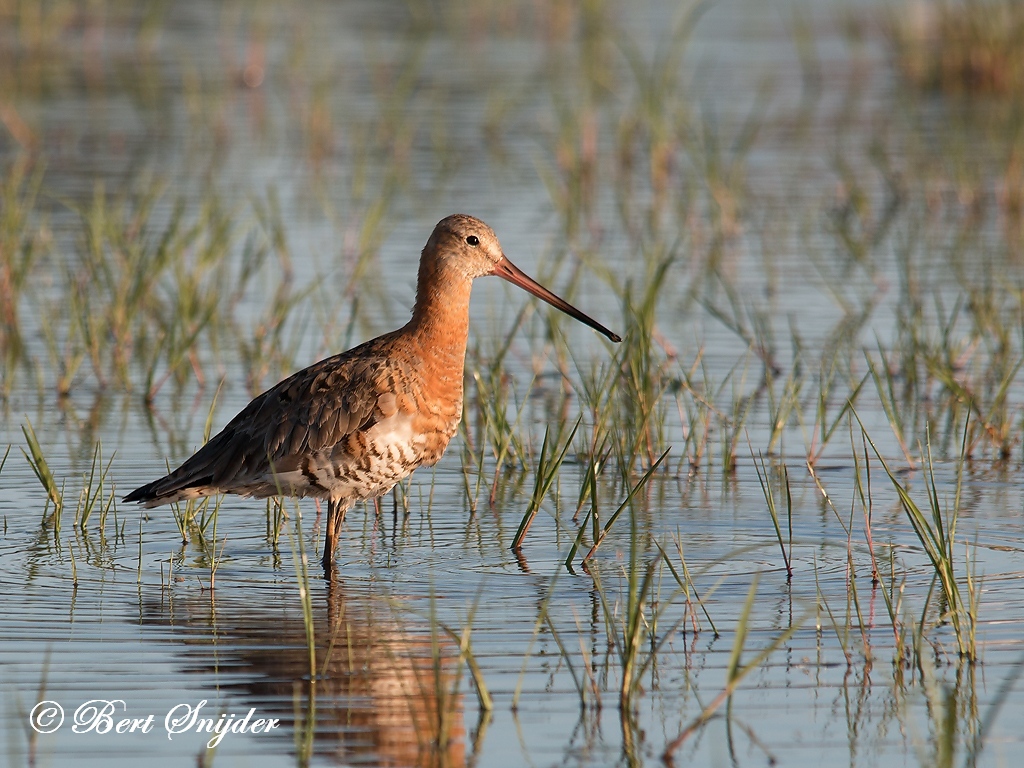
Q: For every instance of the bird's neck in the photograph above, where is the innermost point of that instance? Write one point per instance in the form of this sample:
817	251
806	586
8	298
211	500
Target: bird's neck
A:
440	319
437	335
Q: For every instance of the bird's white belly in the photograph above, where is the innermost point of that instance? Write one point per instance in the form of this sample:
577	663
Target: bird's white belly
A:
361	466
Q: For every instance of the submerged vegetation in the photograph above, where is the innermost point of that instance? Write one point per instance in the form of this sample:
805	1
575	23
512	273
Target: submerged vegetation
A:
820	298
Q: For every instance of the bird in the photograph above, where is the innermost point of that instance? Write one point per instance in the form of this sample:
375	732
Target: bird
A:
350	427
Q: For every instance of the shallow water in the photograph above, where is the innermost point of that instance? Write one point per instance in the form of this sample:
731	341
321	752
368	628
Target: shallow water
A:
425	115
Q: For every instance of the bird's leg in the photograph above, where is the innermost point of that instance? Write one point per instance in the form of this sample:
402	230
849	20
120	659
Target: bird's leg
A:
330	539
335	517
339	517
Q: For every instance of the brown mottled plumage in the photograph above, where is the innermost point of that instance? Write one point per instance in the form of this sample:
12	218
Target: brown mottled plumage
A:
350	427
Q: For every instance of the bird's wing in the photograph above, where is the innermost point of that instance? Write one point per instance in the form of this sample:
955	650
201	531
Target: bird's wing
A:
294	436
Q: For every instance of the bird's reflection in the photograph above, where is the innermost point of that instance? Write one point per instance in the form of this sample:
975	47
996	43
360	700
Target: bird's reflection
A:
382	693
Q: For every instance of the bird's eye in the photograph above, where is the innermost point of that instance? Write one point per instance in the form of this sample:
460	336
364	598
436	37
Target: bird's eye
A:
473	240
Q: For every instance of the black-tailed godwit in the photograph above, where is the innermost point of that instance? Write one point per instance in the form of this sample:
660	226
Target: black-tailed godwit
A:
348	428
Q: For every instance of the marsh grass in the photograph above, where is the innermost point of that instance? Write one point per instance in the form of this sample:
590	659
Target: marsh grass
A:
22	243
892	594
695	394
600	532
151	281
864	497
549	462
685	582
642	378
276	517
92	494
301	563
884	378
215	557
464	638
628	635
538	625
584	681
841	627
736	671
32	734
632	614
769	496
193	518
493	432
41	469
824	423
304	709
119	265
445	686
936	531
970	46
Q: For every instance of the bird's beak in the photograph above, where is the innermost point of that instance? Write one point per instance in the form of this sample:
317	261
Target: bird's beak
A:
506	270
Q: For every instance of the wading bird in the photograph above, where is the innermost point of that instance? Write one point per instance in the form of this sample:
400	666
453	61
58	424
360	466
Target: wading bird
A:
350	427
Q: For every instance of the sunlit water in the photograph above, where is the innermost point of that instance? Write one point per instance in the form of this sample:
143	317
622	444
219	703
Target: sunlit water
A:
144	629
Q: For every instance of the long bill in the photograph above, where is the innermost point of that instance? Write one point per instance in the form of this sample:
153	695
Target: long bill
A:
506	270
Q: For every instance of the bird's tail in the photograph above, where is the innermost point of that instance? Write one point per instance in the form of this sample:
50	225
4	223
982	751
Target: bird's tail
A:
168	490
192	480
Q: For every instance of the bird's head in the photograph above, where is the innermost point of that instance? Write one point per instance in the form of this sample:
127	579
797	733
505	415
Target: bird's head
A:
464	246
